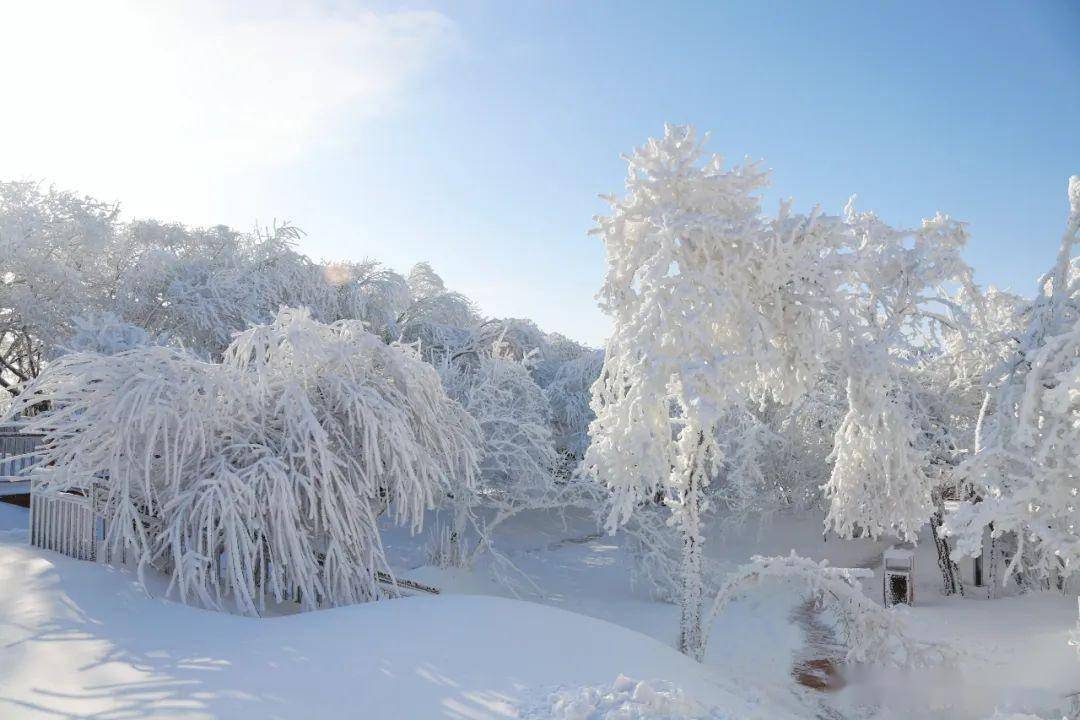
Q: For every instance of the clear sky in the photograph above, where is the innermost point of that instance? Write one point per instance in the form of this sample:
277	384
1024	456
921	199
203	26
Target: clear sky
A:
477	135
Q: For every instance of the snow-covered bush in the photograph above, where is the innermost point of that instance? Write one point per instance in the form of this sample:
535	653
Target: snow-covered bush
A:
439	320
871	633
369	292
624	699
262	476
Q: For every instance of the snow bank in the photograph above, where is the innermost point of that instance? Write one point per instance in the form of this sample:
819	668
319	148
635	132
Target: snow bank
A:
81	639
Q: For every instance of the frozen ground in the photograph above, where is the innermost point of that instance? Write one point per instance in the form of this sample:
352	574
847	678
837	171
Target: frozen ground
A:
78	639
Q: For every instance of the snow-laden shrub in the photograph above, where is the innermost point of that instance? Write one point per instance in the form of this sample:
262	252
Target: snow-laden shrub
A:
438	320
871	633
370	292
263	475
624	699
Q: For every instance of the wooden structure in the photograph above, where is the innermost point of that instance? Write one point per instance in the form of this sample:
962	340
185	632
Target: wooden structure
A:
898	570
17	457
66	523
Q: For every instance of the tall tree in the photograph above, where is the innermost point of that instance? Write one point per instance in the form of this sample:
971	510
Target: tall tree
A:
884	477
1025	471
714	308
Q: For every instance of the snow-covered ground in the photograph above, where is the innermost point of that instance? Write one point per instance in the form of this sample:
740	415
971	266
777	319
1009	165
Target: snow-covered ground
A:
80	639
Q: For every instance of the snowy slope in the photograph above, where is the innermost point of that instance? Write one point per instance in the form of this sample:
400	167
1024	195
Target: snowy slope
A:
1014	651
79	638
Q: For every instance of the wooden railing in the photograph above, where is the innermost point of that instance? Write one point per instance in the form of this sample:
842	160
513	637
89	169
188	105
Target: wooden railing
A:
17	454
65	523
73	524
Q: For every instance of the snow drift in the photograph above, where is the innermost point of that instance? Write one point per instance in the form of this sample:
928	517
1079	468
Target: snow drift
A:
80	639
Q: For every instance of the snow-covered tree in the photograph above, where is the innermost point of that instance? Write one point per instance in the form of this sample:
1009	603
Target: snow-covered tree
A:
67	257
370	292
192	285
517	338
518	458
798	463
714	308
55	265
556	351
568	394
882	479
440	320
263	476
1024	472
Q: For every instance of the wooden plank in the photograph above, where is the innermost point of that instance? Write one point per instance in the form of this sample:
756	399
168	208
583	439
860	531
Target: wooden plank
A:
404	583
14	487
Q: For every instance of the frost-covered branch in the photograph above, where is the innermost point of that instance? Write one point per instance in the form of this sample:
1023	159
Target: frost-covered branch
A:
871	633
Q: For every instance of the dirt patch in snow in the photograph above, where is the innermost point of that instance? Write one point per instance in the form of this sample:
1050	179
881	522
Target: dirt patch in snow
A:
818	665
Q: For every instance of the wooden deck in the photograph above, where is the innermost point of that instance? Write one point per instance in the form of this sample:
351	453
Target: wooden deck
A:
16	460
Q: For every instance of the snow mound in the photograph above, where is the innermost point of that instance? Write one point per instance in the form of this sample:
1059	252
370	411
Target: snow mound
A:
625	699
79	639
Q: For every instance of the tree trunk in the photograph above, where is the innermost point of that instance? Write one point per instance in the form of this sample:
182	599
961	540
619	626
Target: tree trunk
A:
691	635
992	570
950	574
690	627
456	552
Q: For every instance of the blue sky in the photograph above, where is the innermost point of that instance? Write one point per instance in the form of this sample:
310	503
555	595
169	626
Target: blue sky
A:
477	135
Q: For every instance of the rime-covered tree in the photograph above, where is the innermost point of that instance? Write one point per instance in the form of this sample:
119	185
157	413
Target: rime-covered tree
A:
199	286
715	307
883	478
518	457
68	257
55	264
440	320
370	292
1024	472
568	394
267	471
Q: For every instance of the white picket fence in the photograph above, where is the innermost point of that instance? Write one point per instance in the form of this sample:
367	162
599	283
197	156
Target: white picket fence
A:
65	523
